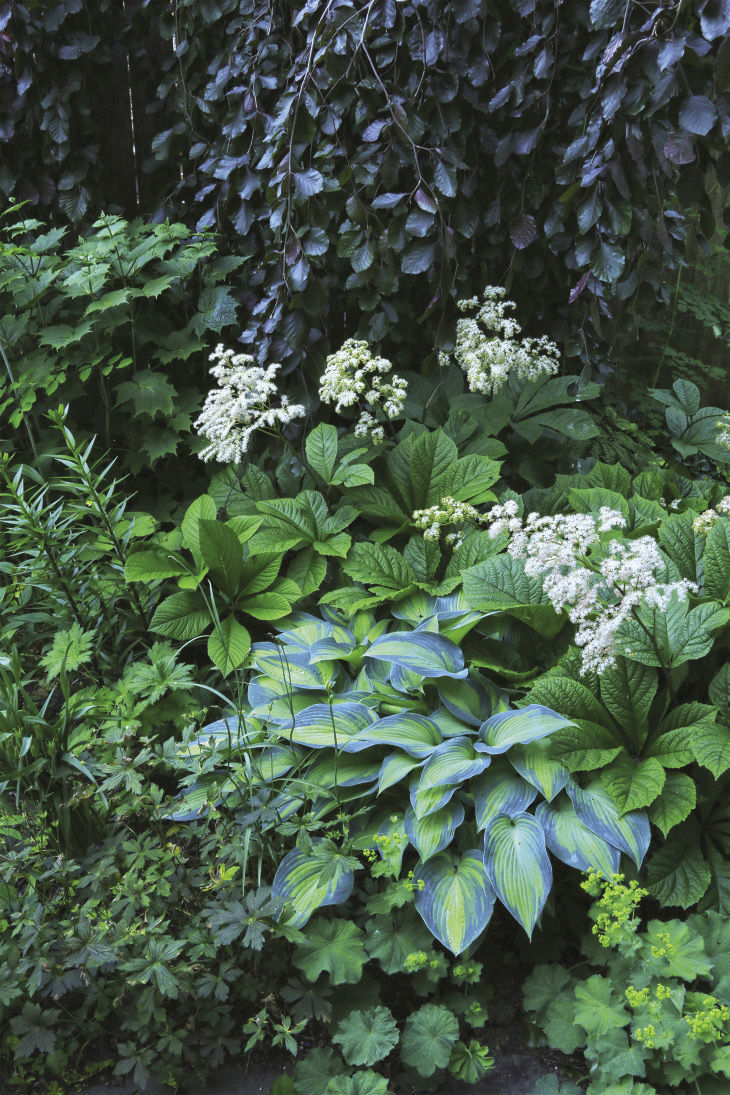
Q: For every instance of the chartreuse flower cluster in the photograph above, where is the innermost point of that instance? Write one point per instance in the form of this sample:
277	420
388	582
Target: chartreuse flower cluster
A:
599	582
355	376
240	405
489	348
647	1014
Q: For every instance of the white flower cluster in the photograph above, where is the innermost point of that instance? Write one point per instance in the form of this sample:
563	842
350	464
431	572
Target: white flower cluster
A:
599	589
449	512
354	375
240	405
703	522
723	432
489	357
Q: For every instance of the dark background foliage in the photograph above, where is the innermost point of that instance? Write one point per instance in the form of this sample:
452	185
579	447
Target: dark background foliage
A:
375	160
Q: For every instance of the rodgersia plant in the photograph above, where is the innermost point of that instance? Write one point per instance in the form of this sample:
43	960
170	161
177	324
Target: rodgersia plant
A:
354	376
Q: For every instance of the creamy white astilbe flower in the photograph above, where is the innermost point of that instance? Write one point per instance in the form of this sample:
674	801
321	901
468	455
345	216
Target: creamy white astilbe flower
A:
240	405
723	433
489	347
704	521
599	586
449	512
354	376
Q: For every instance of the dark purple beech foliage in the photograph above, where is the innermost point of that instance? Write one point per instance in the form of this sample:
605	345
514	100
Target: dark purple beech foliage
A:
376	160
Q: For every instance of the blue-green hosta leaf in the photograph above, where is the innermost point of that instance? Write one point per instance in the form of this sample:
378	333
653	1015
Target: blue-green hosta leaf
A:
290	666
275	761
421	652
321	726
271	699
429	801
430	835
453	761
405	680
500	732
467	699
572	842
394	768
330	649
340	770
518	867
457	900
305	881
596	809
414	734
500	791
538	767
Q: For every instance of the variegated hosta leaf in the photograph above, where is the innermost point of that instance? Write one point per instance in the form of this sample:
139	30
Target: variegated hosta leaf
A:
430	800
271	699
457	900
467	699
453	761
332	769
535	764
405	680
573	842
421	652
305	881
321	726
500	791
430	835
597	810
394	768
290	666
414	734
518	866
500	732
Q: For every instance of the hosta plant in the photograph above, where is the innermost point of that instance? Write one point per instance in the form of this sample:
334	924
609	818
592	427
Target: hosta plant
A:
383	723
650	1004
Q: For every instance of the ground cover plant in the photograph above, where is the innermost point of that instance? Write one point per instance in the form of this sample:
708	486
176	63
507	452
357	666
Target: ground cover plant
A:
292	746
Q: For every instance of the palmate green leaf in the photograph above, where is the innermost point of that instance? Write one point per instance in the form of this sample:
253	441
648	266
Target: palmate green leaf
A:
366	1036
228	645
627	690
711	746
597	810
675	803
222	553
432	457
267	606
719	689
500	732
365	1082
674	637
151	565
572	842
321	450
203	508
500	585
308	570
456	900
306	881
500	791
322	726
585	747
598	1007
428	1038
379	565
633	784
683	546
431	834
419	652
182	616
451	762
334	947
678	873
518	866
717	561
